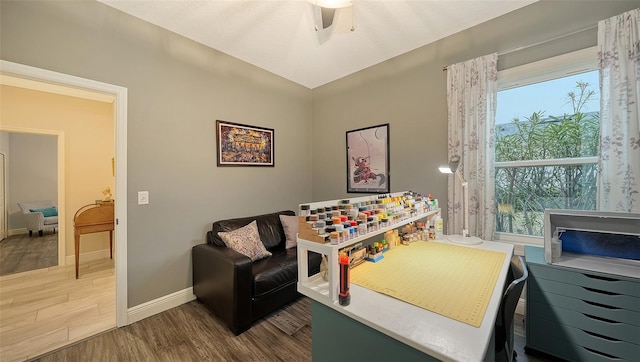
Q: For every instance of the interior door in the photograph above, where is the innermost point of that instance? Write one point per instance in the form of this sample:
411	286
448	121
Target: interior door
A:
3	213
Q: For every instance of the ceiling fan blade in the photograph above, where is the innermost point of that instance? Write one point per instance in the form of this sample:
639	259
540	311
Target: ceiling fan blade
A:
327	16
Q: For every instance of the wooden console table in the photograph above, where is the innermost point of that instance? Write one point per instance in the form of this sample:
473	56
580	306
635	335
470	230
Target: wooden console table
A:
93	218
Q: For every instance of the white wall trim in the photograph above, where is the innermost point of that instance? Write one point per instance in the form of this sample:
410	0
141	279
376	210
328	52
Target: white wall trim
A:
19	231
120	196
580	61
159	305
4	218
90	256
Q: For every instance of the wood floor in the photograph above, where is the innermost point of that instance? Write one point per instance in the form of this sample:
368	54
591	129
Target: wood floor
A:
48	315
191	333
20	253
43	310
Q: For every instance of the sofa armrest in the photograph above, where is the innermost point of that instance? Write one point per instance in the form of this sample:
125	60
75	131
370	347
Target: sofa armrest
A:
222	280
34	221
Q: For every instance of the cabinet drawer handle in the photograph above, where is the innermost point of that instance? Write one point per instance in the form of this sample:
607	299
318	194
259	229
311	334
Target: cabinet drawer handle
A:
601	353
601	336
600	291
601	305
600	319
601	278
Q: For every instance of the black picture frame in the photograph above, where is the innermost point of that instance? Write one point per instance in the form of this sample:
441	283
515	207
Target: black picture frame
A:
368	168
243	145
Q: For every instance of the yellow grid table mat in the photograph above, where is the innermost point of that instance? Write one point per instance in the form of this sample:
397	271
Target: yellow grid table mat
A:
451	280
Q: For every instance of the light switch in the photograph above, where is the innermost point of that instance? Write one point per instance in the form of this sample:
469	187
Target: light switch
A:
143	197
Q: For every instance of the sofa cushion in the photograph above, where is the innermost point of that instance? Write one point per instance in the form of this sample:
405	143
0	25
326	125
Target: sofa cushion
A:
51	220
47	212
290	226
246	240
280	270
269	228
275	272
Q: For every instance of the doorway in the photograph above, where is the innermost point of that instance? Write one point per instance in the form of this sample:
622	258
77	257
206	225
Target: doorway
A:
31	159
83	86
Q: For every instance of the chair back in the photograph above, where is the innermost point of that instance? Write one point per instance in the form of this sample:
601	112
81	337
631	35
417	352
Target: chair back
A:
26	207
516	278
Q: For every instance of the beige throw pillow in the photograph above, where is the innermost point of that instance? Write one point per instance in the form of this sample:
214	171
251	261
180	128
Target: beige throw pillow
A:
290	226
246	240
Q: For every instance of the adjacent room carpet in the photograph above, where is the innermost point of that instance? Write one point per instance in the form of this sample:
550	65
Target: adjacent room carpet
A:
20	253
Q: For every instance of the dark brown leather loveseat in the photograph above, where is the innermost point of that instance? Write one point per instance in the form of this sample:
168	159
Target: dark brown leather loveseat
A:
239	291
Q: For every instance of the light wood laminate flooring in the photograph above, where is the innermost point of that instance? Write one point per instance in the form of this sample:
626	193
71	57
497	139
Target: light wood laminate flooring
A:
46	309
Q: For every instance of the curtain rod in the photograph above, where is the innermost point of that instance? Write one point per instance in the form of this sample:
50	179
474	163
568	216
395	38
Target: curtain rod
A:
513	50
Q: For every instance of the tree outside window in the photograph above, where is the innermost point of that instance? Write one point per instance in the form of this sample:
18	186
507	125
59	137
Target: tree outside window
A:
547	160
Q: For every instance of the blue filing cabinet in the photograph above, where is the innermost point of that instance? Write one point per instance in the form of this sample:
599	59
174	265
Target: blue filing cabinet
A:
581	315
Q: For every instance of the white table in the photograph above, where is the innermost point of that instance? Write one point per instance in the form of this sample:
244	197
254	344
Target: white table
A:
430	333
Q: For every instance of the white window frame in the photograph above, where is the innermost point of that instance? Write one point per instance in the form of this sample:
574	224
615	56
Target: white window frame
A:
544	70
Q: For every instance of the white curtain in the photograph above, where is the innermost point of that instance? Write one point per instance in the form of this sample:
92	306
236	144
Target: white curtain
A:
619	164
471	97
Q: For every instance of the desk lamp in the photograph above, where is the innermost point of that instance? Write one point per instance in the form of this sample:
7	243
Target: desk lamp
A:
451	168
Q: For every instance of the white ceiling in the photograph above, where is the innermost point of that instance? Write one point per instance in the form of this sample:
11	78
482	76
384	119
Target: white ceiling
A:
280	35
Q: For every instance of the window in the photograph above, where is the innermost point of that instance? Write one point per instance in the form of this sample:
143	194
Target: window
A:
547	139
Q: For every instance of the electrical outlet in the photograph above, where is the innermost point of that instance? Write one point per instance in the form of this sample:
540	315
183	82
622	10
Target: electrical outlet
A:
143	197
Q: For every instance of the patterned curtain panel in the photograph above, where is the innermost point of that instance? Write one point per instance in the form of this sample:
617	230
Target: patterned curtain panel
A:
619	165
471	97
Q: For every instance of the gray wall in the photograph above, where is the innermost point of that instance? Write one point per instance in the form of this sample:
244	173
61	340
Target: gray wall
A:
32	172
177	89
409	92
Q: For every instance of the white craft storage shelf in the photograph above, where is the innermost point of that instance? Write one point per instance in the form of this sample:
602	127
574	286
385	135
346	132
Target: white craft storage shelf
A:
315	286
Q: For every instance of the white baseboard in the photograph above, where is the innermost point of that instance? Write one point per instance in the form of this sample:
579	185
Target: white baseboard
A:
12	232
152	307
90	256
159	305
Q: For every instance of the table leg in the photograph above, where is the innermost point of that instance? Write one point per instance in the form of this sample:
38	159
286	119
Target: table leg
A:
111	244
77	247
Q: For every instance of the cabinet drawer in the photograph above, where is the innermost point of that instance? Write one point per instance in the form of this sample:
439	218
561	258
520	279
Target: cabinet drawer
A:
607	298
575	344
595	309
608	329
604	282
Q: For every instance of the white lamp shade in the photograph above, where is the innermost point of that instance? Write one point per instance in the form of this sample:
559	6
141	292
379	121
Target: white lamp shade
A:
331	4
445	169
454	162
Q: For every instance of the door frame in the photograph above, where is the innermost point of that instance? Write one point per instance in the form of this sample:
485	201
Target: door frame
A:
120	196
3	190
